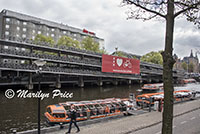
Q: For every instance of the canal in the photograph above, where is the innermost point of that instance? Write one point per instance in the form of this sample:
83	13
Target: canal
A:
21	113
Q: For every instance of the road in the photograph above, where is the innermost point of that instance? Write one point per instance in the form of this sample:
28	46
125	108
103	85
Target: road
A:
184	124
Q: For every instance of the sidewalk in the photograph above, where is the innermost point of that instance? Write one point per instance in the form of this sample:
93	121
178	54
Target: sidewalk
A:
132	123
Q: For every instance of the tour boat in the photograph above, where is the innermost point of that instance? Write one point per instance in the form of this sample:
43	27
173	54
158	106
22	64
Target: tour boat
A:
152	87
59	113
150	98
187	81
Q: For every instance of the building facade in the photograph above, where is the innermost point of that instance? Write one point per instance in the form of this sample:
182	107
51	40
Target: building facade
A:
192	63
15	26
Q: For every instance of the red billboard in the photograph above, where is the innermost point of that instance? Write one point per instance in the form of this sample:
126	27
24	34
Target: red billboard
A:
117	64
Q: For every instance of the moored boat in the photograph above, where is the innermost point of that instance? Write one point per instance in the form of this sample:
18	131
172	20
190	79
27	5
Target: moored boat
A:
150	98
187	81
152	87
59	113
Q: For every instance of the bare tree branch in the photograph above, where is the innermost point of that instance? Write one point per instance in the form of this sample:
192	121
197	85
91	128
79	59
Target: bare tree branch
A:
189	7
144	8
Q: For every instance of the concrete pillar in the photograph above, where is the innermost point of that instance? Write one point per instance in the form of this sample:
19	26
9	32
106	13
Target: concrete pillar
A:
81	82
115	82
17	73
100	82
30	81
58	84
129	82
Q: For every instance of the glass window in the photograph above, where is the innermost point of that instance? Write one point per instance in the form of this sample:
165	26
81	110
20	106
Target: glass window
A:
17	48
39	32
74	35
22	61
47	34
52	35
18	28
24	29
23	49
33	31
18	22
64	32
6	33
6	47
52	29
7	26
17	35
24	23
33	37
7	19
23	35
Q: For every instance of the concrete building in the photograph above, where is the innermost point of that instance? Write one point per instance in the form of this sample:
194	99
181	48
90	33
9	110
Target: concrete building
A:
15	25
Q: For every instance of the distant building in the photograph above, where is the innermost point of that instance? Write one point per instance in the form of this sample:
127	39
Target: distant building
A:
15	25
192	60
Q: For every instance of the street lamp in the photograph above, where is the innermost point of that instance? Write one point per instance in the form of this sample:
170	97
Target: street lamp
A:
39	63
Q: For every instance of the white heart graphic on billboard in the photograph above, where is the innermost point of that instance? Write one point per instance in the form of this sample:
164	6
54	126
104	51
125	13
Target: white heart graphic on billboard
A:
119	62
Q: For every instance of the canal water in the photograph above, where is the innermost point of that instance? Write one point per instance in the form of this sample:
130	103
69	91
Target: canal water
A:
21	113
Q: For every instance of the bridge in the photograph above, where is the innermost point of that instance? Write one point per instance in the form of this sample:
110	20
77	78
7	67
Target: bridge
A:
65	65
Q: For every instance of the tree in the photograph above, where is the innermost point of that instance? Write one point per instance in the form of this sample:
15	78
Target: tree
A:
89	44
168	10
41	38
184	66
153	57
69	42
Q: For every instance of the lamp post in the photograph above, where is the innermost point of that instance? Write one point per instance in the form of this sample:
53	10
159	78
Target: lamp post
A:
39	63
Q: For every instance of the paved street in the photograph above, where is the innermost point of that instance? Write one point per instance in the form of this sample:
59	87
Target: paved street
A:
135	124
184	124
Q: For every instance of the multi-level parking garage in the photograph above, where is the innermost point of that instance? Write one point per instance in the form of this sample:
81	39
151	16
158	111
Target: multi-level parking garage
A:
64	65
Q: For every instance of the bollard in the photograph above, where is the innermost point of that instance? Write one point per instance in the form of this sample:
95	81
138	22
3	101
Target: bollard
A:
61	125
150	101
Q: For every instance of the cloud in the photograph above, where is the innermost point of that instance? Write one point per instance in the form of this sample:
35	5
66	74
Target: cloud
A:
108	20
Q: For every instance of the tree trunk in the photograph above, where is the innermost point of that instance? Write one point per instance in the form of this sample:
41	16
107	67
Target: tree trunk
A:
168	63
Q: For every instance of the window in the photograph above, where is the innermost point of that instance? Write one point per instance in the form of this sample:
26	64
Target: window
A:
24	23
18	22
47	34
17	35
7	26
64	32
18	28
6	47
22	61
17	48
33	31
52	35
23	49
23	35
33	37
52	29
74	35
6	33
74	38
7	19
39	32
24	29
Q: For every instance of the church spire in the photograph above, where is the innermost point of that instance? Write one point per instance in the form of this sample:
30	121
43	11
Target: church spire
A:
191	54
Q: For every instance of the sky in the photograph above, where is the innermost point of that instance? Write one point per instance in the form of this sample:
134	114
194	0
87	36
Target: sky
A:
108	19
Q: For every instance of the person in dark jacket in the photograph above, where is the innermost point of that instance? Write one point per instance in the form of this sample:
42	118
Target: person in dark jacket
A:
73	116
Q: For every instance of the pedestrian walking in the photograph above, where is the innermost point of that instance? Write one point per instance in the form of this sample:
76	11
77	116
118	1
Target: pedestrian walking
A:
72	116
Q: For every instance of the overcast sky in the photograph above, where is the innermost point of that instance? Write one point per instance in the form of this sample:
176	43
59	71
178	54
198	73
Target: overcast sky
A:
109	21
